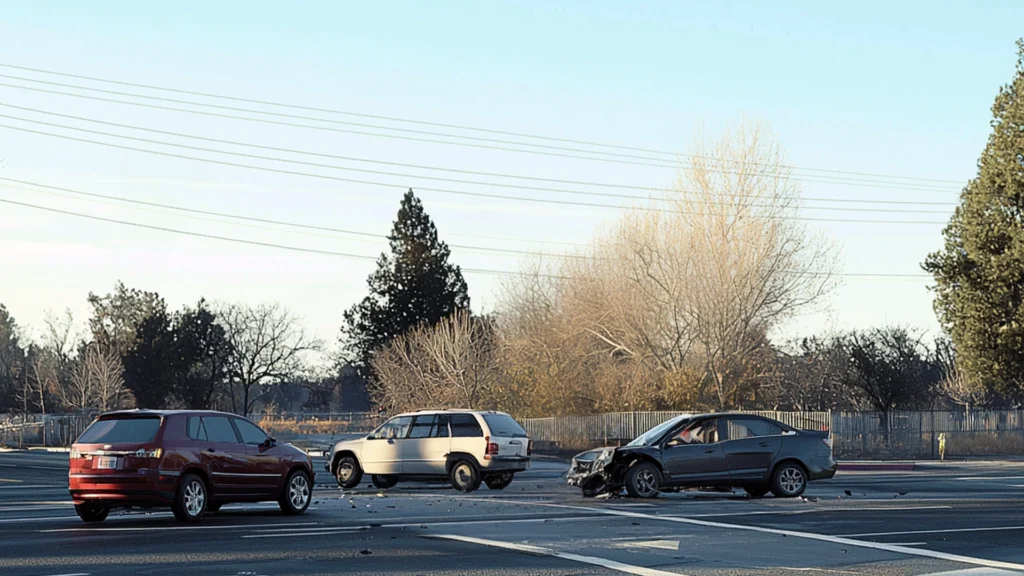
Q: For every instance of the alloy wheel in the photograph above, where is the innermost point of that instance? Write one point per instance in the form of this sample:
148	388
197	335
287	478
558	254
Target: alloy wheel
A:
645	483
791	480
195	498
298	491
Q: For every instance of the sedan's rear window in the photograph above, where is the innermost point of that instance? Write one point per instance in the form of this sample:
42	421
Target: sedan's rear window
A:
121	431
504	426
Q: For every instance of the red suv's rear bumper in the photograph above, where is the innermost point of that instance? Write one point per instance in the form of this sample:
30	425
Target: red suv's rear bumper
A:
150	488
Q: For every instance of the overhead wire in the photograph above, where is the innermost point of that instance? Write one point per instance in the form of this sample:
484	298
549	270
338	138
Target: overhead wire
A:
620	158
386	185
453	180
438	124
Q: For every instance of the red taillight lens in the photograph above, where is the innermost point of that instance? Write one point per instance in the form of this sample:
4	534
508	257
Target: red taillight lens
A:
492	448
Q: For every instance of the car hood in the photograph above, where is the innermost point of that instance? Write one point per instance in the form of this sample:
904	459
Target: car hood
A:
353	444
592	454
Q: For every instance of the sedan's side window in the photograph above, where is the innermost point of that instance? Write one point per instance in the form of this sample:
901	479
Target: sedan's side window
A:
702	433
739	429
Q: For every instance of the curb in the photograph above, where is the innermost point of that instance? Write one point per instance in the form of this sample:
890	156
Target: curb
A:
876	466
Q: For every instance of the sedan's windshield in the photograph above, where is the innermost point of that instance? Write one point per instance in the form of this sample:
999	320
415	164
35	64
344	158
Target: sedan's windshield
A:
653	434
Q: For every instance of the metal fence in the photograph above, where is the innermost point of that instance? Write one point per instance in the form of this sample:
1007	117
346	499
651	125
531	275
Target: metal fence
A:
854	434
23	430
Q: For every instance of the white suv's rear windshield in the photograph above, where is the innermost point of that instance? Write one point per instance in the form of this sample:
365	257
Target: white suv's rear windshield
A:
121	431
503	426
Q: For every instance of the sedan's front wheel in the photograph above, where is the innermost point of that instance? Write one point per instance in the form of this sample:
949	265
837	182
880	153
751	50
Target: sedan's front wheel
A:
789	480
297	494
643	480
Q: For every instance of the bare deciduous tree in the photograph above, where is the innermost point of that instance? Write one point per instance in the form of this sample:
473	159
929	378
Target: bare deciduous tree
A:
449	365
96	381
267	347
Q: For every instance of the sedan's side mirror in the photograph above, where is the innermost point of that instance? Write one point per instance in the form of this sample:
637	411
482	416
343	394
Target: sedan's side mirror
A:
270	442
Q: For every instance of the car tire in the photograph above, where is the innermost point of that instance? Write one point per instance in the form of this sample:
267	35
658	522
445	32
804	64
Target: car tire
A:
499	481
789	480
383	482
757	490
91	512
297	493
191	499
465	475
348	473
643	480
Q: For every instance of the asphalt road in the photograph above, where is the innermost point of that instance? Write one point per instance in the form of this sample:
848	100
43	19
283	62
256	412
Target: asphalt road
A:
965	519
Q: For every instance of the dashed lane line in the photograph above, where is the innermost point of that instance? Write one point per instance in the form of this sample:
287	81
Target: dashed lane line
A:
847	541
328	531
163	528
528	549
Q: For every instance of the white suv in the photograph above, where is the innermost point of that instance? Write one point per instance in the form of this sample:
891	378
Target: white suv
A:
466	446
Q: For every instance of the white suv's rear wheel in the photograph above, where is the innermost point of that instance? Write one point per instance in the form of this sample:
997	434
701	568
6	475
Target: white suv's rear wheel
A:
465	476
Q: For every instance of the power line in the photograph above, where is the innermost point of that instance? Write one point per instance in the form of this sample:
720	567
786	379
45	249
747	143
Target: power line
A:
454	180
439	190
261	220
618	159
243	241
440	124
383	173
313	250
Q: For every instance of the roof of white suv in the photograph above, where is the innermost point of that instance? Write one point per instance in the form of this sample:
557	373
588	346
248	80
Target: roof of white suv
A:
447	410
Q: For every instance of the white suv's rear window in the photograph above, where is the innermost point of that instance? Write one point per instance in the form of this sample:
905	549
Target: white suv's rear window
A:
121	431
504	426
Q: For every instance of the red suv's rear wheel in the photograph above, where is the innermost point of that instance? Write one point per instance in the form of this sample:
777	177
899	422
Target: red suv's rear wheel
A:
91	512
191	499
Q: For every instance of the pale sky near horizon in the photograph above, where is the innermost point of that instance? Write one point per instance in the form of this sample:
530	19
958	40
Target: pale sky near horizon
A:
872	87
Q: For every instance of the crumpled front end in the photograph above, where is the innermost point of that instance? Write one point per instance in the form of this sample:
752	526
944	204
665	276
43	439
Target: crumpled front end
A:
590	471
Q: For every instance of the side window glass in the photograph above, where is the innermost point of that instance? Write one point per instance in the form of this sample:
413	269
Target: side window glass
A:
422	427
393	429
441	430
703	433
251	434
219	429
760	428
465	426
196	431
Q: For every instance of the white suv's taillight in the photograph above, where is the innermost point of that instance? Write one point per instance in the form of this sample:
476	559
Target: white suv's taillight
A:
492	448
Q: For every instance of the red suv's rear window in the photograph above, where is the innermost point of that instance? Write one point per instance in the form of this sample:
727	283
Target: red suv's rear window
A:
121	431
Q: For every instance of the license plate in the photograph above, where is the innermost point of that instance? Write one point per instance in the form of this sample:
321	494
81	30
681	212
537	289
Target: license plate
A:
106	463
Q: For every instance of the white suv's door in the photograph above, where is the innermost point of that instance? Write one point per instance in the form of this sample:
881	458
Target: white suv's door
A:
381	450
427	447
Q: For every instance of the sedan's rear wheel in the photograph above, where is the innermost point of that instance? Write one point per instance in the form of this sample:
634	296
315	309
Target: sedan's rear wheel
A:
643	480
384	482
297	493
348	472
191	499
789	480
91	512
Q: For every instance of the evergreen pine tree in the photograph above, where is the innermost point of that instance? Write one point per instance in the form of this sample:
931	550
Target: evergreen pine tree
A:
979	273
413	285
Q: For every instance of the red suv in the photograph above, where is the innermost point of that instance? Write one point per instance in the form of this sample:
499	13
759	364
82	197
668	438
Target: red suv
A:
192	461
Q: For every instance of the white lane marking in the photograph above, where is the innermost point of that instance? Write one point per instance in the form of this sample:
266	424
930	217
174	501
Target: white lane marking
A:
813	511
35	486
75	574
908	551
975	572
328	530
939	531
162	528
656	544
38	519
526	548
989	478
31	507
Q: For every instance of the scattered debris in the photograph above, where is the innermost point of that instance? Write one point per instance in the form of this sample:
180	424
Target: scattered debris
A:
605	496
391	506
381	495
847	492
423	526
635	524
903	493
365	552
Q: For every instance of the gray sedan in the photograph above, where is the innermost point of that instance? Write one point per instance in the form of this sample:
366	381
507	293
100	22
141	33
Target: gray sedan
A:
746	451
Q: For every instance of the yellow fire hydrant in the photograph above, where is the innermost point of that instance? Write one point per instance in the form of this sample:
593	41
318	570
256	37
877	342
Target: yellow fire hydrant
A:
942	446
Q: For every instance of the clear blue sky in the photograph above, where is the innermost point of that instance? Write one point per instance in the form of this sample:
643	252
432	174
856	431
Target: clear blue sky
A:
896	88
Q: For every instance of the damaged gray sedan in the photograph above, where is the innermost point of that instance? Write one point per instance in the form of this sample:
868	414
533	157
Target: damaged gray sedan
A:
728	450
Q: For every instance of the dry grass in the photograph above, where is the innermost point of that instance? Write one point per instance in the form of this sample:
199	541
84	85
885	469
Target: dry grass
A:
983	443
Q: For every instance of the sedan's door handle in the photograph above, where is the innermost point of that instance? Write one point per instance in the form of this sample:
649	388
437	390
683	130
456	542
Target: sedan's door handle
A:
763	444
709	450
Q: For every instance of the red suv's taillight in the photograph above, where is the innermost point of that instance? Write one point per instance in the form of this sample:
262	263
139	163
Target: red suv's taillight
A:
492	448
